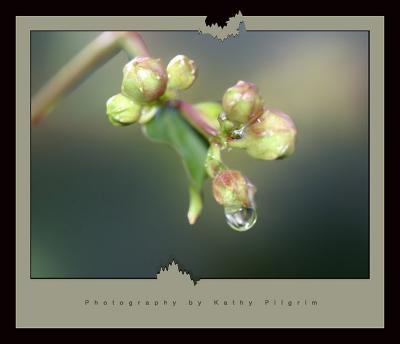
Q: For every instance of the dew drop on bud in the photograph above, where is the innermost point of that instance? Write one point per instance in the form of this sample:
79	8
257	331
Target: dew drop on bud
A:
238	133
241	219
222	116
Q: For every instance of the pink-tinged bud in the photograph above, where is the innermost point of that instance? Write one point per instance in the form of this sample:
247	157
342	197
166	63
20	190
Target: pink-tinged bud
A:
272	136
231	189
144	79
242	102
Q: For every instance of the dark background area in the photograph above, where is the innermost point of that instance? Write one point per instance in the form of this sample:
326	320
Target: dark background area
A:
108	203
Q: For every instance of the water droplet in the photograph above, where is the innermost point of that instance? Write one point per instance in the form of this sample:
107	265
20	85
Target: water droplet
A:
238	133
241	219
222	116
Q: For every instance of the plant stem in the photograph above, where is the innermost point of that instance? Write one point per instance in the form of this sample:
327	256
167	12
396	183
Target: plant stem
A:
91	57
133	44
195	117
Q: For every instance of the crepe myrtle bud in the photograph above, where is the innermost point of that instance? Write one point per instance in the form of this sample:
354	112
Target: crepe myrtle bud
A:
144	79
272	136
182	72
232	190
242	102
122	110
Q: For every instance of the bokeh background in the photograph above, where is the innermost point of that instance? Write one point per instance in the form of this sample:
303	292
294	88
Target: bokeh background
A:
108	203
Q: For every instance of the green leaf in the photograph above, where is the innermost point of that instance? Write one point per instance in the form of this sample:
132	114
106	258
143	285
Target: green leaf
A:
168	126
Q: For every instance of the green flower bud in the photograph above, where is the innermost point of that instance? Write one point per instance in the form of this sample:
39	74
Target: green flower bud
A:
272	136
122	111
145	79
182	72
242	102
232	190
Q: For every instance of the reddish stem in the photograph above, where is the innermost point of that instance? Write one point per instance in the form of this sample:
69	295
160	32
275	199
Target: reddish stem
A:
195	117
90	58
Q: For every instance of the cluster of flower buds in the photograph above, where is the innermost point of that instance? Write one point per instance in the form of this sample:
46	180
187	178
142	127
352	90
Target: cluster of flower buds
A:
145	84
242	121
246	123
265	134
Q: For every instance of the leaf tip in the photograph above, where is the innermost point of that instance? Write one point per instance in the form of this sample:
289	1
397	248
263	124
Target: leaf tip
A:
195	205
192	218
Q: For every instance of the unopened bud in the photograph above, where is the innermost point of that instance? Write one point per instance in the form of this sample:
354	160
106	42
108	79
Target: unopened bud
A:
232	190
242	102
182	72
272	136
144	80
122	110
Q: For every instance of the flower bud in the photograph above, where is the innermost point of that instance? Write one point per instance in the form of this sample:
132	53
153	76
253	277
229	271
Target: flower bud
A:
182	72
272	136
231	189
144	80
122	111
242	102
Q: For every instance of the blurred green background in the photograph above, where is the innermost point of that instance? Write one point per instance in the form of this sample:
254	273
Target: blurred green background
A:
106	202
